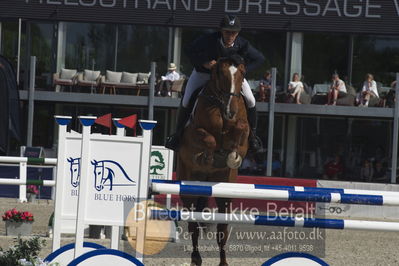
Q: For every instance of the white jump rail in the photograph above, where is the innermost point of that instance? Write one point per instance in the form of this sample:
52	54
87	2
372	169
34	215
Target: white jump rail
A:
283	193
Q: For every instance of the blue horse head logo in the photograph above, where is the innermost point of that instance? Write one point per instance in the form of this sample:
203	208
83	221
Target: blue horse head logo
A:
104	175
74	168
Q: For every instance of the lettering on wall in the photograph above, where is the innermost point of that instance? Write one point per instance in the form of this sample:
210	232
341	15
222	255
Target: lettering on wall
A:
311	8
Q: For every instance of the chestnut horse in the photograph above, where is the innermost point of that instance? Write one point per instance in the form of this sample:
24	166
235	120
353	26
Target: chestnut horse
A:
214	143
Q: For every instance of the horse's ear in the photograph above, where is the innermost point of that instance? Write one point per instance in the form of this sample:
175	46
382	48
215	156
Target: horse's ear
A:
94	162
70	159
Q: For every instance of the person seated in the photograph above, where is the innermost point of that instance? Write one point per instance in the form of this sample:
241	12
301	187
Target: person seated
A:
295	88
337	90
367	171
165	85
333	169
380	173
248	165
276	165
390	97
368	92
265	85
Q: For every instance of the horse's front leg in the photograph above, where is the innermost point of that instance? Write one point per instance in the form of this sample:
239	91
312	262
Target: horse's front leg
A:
222	229
196	204
236	138
206	143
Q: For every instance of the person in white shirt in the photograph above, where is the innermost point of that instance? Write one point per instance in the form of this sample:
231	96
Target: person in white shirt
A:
369	90
167	80
337	90
295	88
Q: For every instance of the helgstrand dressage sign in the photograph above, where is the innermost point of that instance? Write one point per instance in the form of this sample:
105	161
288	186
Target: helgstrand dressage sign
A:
353	16
345	8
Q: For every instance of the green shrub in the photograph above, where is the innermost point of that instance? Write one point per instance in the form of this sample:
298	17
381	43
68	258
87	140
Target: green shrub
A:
24	249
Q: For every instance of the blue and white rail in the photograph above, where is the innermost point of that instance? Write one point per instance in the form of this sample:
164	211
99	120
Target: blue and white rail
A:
269	192
210	217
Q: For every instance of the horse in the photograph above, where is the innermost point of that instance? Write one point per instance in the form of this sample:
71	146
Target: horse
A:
214	143
104	172
74	168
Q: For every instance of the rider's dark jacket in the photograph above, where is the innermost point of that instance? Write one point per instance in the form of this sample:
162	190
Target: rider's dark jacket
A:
209	47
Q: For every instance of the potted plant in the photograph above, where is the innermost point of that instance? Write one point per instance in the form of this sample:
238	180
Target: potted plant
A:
31	192
18	223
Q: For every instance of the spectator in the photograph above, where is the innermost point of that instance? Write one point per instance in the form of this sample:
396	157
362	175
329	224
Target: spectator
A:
390	98
265	85
367	171
165	86
295	88
334	169
248	165
380	173
369	91
337	90
276	165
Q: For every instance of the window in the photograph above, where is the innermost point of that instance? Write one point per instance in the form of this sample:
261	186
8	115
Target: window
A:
90	46
138	46
321	140
323	54
41	46
378	55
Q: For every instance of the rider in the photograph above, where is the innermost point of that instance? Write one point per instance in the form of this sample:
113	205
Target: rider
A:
204	53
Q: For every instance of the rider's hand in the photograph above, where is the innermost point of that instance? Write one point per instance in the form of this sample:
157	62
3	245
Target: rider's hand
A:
209	65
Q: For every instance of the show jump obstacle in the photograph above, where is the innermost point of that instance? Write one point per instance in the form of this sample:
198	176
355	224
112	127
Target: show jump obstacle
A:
101	178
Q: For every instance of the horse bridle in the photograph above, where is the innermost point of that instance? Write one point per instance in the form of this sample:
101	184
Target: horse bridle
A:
220	100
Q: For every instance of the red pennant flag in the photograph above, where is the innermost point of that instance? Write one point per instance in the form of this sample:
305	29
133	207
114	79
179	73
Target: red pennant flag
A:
106	121
130	122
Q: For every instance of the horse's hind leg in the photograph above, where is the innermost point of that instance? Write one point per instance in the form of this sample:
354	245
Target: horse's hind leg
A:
194	204
222	229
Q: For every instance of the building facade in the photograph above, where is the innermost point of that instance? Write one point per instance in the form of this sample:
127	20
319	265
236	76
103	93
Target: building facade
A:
312	37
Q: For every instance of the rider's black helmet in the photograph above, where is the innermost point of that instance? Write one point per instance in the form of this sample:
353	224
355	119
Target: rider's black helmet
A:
230	23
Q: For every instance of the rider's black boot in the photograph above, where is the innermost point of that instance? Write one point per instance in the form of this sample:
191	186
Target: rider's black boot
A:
255	144
173	141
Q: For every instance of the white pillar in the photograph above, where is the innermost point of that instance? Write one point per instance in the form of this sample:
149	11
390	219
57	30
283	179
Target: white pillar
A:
296	53
61	45
291	145
177	47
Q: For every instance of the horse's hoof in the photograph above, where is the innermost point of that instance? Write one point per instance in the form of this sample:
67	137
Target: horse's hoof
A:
223	264
196	259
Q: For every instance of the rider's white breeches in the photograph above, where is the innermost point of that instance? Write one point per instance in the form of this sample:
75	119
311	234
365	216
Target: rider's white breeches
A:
199	79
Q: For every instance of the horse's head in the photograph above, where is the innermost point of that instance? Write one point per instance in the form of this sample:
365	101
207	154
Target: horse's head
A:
227	78
98	174
74	168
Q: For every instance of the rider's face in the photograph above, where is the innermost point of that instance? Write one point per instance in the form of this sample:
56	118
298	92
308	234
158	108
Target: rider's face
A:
229	37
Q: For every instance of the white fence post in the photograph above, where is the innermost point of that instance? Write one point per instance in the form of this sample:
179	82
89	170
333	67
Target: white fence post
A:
22	177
